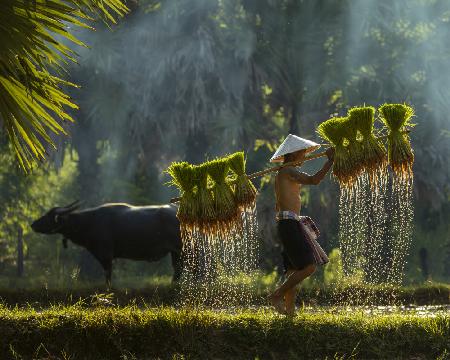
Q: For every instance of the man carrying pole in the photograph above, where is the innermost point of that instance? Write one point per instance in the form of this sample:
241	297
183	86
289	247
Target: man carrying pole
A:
301	252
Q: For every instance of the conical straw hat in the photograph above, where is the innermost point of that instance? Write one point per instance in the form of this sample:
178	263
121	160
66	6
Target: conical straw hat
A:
291	144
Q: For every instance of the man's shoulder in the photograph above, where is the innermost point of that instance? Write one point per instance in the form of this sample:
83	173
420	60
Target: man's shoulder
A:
293	174
286	170
288	173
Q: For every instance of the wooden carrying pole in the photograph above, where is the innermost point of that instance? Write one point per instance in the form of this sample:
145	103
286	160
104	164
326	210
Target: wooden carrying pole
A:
293	163
275	168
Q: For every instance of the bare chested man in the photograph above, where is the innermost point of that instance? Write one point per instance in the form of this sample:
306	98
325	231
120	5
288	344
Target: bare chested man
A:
298	256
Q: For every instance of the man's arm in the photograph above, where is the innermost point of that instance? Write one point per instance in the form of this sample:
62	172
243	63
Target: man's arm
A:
305	179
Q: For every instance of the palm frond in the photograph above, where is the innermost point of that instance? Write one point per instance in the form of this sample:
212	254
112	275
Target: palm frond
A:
32	64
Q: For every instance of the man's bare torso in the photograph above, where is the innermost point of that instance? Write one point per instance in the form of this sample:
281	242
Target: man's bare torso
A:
287	192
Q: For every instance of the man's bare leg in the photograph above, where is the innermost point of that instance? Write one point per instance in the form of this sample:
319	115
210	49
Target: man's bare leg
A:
289	297
289	301
291	281
278	304
285	306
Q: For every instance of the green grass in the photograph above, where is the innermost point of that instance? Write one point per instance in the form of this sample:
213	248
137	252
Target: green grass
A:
138	320
167	333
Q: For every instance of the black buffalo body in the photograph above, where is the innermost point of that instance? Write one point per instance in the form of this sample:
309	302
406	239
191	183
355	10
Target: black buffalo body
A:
114	231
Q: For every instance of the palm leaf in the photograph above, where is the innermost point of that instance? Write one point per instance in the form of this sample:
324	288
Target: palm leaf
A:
32	62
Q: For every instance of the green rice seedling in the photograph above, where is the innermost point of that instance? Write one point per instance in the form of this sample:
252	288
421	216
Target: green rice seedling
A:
183	178
244	190
226	209
354	148
332	131
204	211
374	156
395	117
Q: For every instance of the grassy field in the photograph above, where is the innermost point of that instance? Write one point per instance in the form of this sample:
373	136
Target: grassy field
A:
73	332
143	322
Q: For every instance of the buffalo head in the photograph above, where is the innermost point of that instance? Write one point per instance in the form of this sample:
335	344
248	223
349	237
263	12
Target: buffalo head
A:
51	222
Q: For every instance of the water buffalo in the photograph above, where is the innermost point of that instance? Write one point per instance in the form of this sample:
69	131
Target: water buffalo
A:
118	230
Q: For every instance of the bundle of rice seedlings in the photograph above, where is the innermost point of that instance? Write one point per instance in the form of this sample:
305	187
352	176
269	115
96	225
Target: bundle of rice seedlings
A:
244	190
401	156
204	212
225	207
332	131
373	150
183	178
354	148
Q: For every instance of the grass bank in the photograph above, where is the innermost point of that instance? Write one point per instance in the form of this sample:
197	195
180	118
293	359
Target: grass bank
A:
167	333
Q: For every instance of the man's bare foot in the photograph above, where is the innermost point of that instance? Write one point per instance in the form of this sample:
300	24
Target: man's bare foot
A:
278	303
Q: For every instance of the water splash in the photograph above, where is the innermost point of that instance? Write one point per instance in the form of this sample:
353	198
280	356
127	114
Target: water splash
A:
401	225
218	269
375	227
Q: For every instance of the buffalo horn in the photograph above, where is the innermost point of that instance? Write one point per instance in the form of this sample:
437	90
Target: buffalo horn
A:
69	208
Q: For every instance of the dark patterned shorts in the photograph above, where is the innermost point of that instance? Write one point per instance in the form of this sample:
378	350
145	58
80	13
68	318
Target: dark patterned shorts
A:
297	253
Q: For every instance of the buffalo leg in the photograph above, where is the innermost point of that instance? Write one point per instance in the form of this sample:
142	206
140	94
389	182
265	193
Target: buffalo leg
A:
107	266
177	265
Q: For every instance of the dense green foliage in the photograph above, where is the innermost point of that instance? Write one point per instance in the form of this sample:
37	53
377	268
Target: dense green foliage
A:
167	333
